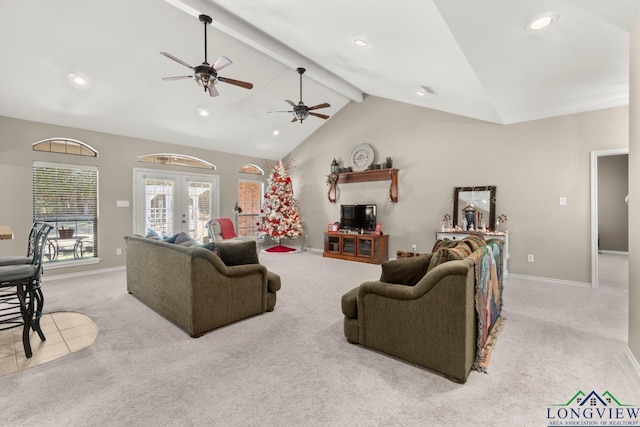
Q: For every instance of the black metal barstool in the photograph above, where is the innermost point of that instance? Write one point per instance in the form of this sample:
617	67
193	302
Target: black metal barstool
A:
31	244
21	299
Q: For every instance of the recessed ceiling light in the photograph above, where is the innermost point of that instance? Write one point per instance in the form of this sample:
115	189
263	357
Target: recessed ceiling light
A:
77	80
541	22
276	132
360	43
203	112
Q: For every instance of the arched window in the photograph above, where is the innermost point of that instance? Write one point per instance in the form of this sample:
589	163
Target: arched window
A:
252	169
65	146
176	160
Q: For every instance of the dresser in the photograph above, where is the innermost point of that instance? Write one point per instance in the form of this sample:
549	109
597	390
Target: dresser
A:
459	235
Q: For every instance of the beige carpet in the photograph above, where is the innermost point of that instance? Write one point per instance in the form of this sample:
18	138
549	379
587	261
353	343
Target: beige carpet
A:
293	367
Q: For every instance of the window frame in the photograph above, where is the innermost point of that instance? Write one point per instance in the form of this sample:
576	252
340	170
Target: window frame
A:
90	221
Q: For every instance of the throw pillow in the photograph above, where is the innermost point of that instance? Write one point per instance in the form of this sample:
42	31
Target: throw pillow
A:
181	238
171	239
152	234
440	243
443	255
212	247
475	241
238	253
405	271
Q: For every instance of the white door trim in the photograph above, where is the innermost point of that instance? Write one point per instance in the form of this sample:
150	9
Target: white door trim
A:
594	207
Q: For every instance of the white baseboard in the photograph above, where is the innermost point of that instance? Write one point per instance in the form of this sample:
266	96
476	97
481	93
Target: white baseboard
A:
634	361
549	280
83	273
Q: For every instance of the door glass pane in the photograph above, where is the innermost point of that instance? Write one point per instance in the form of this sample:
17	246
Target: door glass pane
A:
349	245
159	205
250	201
199	208
364	247
334	244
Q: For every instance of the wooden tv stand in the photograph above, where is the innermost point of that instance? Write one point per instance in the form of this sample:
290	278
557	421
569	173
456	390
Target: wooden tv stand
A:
356	247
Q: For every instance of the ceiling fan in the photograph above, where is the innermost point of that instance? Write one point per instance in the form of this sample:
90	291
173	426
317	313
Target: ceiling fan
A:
301	111
207	75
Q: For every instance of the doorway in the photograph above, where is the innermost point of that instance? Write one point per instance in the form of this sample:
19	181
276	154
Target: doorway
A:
170	202
595	156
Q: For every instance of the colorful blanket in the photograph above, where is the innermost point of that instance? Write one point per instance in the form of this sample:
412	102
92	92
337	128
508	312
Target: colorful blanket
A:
488	271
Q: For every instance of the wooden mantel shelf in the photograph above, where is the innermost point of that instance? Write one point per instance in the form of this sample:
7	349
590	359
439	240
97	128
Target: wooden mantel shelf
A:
367	176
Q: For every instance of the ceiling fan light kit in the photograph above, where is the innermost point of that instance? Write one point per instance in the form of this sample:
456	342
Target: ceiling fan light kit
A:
204	74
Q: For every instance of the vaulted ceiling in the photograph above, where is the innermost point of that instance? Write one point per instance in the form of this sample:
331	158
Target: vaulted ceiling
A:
472	58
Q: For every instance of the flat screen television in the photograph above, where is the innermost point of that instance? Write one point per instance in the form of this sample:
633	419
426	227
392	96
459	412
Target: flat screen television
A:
357	217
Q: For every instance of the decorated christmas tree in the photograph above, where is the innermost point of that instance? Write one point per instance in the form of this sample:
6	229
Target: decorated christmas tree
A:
279	215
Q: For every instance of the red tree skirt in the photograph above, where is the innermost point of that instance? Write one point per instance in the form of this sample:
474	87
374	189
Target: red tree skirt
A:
280	249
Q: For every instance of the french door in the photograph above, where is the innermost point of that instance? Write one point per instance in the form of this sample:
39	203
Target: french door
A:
170	202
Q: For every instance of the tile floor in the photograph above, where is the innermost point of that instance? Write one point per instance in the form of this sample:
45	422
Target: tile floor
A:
65	332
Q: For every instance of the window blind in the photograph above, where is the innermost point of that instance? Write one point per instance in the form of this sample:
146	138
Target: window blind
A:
67	197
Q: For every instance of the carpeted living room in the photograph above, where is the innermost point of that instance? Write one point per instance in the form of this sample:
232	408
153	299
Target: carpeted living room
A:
293	366
447	215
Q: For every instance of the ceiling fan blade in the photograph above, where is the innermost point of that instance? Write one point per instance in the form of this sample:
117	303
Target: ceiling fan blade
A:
295	119
245	85
315	107
322	116
221	62
213	91
168	55
293	104
280	111
177	78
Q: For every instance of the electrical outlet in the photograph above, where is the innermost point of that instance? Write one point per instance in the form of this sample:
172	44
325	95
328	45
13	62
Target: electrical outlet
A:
414	247
530	258
118	251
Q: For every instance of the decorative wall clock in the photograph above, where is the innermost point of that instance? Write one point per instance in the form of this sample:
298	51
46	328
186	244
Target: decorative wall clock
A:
361	157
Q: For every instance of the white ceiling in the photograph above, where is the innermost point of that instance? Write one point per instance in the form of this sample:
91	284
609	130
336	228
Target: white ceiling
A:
477	56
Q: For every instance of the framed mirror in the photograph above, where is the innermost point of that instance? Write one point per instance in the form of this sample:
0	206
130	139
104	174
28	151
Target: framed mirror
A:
473	206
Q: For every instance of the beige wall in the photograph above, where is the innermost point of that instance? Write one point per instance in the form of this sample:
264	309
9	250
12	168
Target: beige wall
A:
634	192
613	212
117	158
532	164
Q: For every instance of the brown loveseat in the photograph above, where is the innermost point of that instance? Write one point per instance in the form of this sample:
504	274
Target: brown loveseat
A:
193	288
426	318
